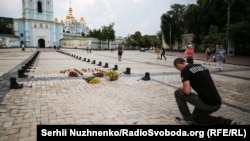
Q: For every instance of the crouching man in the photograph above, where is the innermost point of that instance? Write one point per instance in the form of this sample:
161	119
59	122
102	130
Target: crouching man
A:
206	99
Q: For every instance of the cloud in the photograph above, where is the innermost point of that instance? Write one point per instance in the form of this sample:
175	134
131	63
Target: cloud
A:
10	9
137	1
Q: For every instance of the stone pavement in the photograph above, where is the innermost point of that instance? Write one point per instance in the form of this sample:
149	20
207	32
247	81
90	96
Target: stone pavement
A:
51	97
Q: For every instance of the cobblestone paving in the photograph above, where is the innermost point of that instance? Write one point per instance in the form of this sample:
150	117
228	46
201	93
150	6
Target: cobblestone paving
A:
51	97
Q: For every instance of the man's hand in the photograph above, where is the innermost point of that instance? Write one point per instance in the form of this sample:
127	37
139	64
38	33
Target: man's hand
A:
186	88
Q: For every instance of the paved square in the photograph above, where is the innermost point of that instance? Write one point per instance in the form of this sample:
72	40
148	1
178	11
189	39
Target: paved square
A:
51	97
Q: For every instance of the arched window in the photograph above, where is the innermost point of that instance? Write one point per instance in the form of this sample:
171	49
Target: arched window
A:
39	7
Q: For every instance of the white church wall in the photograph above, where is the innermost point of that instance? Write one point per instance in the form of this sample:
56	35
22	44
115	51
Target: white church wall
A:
42	34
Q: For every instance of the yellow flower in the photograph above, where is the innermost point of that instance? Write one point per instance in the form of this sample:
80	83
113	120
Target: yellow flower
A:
113	75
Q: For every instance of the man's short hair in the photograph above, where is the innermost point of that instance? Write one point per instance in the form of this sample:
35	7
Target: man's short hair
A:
179	61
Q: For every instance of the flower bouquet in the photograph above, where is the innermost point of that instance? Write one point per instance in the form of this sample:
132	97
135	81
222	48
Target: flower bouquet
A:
112	75
72	74
98	74
92	79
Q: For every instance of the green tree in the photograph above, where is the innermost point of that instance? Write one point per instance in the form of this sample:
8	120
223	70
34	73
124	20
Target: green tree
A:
142	41
4	28
213	37
172	26
104	34
156	40
131	41
97	33
159	38
206	13
108	33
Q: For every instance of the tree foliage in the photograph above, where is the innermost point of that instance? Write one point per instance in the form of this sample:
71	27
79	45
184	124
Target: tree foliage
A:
143	41
204	17
172	26
213	37
104	34
4	28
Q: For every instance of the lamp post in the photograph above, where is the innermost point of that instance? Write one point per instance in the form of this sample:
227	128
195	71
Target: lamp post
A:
228	20
170	33
170	30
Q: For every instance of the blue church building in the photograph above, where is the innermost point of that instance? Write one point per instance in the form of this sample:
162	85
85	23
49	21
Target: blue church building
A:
37	28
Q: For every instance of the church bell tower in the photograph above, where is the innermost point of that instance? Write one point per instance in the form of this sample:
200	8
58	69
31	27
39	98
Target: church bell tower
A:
38	9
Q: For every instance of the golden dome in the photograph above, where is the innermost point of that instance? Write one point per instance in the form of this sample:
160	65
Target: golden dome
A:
82	20
70	15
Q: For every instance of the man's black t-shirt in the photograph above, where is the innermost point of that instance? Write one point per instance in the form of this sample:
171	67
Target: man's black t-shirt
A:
201	81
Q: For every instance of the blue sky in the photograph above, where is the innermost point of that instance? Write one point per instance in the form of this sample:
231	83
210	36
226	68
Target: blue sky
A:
129	16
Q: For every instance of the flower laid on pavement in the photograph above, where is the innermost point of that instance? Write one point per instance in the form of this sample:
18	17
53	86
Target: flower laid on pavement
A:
112	75
98	74
72	74
92	79
76	70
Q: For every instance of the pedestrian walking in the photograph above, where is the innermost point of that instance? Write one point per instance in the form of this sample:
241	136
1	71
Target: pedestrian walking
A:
206	99
120	52
23	48
189	54
220	56
216	49
207	55
90	48
157	51
163	53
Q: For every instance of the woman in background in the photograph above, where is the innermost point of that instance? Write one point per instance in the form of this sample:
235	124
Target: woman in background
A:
220	55
189	54
208	56
120	52
157	51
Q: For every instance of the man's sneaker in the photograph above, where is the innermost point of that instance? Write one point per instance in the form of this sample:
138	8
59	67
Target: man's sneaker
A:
230	122
183	121
233	123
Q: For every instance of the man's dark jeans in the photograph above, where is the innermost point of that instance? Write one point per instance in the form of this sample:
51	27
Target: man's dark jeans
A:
201	112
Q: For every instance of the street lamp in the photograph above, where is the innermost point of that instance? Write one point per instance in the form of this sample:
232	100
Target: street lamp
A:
170	33
228	20
170	28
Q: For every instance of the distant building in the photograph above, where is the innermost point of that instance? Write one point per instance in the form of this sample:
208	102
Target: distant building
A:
39	28
36	28
185	40
7	37
72	27
9	41
75	32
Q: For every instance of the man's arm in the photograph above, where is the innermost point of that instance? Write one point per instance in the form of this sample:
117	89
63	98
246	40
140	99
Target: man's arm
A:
186	88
